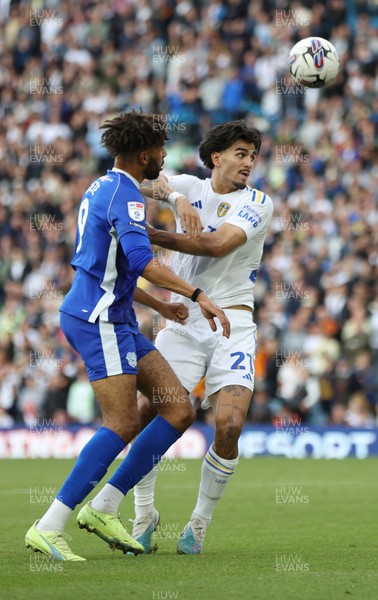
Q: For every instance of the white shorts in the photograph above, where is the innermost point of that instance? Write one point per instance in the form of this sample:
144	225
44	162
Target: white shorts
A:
194	350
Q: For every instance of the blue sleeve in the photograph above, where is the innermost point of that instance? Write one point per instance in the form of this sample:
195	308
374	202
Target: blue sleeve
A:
128	214
128	217
137	250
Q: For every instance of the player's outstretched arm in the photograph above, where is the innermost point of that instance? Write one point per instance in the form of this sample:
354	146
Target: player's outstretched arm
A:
173	311
163	277
217	243
159	189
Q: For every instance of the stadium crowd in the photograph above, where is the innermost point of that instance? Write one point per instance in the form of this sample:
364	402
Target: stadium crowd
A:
66	67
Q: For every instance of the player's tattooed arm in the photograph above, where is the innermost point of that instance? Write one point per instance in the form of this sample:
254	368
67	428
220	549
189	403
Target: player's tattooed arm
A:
218	243
159	189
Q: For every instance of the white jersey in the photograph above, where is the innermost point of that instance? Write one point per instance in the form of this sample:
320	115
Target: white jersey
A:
228	280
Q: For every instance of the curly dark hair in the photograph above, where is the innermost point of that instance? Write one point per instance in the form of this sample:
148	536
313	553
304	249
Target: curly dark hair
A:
132	131
221	137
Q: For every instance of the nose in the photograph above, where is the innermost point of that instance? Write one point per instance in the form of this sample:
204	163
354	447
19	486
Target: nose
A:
164	153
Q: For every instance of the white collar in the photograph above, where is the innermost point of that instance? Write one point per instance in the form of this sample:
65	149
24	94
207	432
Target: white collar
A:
135	181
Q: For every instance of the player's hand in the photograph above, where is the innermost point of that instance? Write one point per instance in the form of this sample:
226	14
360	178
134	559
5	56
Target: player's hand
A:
211	310
174	311
189	218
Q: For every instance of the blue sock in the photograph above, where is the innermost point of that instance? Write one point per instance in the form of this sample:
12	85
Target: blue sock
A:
91	466
147	450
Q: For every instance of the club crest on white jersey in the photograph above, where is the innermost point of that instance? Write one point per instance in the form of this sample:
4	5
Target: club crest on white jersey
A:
223	209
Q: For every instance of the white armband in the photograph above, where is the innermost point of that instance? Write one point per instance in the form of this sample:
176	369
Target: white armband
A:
173	197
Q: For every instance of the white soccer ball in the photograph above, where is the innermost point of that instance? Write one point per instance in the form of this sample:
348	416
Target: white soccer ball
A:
313	62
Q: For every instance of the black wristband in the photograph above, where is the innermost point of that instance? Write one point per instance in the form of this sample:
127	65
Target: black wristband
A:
195	295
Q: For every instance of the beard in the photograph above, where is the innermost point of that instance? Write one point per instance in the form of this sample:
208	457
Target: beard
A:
152	170
238	185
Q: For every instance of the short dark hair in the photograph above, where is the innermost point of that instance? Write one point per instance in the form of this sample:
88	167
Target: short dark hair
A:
132	131
221	137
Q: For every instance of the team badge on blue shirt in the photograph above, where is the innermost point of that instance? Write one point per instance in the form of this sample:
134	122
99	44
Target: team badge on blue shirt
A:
136	210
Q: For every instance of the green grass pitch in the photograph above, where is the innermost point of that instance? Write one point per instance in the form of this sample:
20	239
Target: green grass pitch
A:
285	530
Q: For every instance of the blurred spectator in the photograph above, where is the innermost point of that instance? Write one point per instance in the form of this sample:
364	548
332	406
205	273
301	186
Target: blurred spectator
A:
338	415
359	413
81	399
260	411
66	68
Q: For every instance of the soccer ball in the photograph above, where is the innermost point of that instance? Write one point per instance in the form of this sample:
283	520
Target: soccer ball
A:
313	62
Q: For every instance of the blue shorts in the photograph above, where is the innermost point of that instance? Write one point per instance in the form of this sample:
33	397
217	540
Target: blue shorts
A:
106	348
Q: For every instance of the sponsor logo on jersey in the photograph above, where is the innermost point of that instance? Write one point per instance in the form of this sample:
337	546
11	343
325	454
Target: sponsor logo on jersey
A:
131	359
223	209
136	210
251	211
137	225
250	218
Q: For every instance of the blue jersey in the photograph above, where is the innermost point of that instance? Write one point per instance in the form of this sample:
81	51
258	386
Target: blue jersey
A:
112	249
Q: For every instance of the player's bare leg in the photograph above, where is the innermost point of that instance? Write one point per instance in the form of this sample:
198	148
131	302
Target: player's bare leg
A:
158	382
162	397
117	398
146	409
144	492
170	400
230	406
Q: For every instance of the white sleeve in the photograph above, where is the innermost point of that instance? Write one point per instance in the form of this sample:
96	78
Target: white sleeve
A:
252	217
182	183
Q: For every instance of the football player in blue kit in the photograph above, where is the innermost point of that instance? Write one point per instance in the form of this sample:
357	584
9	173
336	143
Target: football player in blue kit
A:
112	250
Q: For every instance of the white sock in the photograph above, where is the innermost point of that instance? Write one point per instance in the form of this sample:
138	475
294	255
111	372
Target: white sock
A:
144	493
108	499
55	518
215	473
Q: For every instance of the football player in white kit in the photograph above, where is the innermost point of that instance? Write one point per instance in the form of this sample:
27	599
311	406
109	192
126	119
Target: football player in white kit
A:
222	261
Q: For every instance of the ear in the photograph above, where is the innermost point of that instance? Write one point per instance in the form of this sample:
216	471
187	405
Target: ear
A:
215	158
143	157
